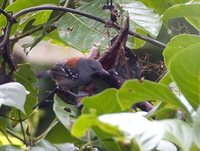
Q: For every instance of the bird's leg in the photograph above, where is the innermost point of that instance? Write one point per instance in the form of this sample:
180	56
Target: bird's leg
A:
75	95
46	99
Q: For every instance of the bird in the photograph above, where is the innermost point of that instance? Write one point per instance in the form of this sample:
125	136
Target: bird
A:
74	72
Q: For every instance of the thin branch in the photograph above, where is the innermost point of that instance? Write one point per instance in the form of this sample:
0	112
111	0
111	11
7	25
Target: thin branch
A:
58	8
14	135
22	128
4	13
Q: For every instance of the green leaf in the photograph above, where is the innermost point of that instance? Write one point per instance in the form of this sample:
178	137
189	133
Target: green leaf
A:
185	69
83	123
26	76
134	91
3	124
22	4
166	79
135	126
159	5
144	17
10	147
66	113
80	32
63	133
190	9
105	102
177	44
34	19
178	132
134	42
13	94
103	131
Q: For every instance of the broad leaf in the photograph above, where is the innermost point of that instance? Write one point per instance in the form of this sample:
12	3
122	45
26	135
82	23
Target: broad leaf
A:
185	69
134	91
103	131
189	10
64	112
177	44
83	123
134	126
178	132
3	125
144	17
159	5
63	133
13	94
26	76
80	32
105	102
22	4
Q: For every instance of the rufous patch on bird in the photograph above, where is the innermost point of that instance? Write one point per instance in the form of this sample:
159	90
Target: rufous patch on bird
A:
72	62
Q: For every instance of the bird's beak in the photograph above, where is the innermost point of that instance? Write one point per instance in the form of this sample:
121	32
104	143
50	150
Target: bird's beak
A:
102	73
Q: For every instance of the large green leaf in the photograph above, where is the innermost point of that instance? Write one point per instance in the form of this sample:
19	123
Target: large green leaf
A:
83	123
26	76
146	134
103	131
64	112
161	5
13	94
177	44
3	125
134	91
81	32
63	133
32	20
142	16
188	10
178	132
22	4
185	69
105	102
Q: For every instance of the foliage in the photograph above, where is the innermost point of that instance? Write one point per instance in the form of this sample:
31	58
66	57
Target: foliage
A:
108	121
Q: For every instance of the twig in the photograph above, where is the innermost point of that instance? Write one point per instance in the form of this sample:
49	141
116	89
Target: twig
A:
14	135
22	128
4	13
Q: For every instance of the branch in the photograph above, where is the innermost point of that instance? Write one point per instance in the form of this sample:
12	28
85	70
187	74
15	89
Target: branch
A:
22	128
14	135
4	13
63	9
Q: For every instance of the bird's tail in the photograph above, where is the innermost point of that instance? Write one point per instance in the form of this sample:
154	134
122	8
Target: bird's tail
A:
43	74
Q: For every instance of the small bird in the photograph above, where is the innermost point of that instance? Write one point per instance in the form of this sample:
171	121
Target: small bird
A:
74	72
